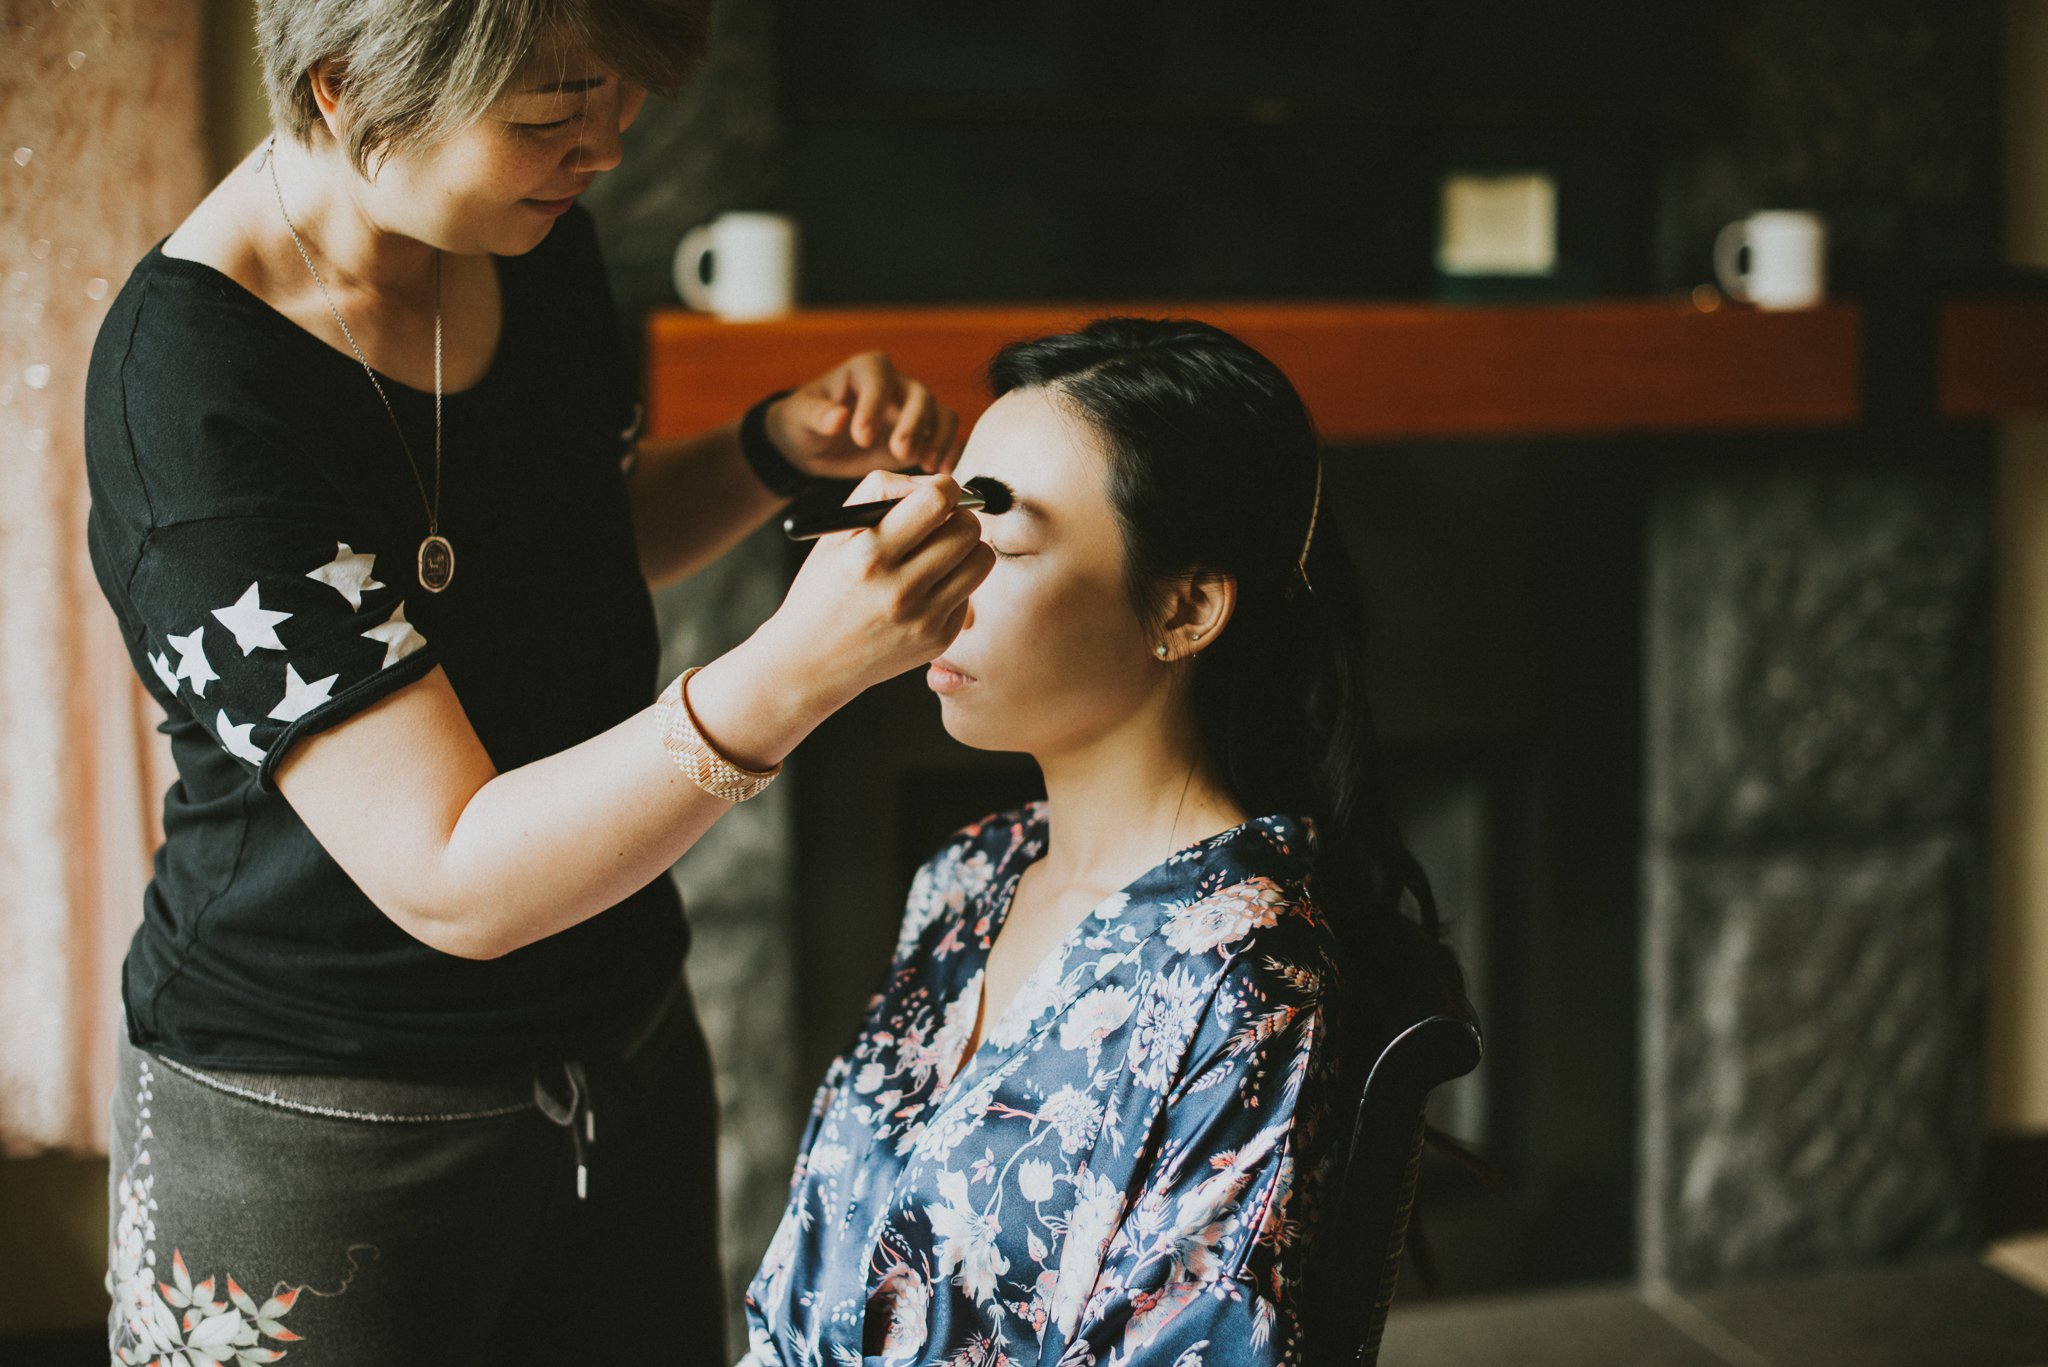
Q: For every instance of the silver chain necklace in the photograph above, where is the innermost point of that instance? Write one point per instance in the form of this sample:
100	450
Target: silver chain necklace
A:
437	556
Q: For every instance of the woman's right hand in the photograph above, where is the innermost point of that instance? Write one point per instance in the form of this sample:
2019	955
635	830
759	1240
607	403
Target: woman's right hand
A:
866	606
869	604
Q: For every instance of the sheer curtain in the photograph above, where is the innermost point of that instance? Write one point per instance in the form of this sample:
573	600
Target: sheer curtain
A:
101	154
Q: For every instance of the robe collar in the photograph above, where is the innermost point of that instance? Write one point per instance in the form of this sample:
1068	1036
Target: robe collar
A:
1137	929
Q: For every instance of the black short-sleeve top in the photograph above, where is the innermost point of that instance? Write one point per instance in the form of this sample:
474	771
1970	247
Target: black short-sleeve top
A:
255	524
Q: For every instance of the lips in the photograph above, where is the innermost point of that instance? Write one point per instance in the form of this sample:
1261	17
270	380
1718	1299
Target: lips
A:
946	677
557	204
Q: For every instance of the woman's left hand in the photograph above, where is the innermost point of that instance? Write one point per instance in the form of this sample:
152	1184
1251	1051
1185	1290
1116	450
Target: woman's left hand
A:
864	415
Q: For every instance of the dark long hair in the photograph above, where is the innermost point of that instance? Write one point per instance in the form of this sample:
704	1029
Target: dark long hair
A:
1214	469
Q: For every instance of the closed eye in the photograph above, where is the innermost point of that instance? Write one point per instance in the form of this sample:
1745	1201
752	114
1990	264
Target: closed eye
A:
546	127
1002	554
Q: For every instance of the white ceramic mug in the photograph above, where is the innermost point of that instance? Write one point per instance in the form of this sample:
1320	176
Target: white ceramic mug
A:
752	261
1787	266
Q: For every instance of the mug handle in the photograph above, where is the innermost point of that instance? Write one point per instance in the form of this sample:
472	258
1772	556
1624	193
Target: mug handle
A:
1728	245
689	268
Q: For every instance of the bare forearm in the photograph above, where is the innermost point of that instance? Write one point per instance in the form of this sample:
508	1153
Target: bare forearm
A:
552	843
538	849
548	845
693	500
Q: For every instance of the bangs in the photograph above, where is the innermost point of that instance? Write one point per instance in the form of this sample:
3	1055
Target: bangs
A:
417	71
659	46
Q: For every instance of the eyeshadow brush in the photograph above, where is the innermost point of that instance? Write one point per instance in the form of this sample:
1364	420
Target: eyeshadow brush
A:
988	494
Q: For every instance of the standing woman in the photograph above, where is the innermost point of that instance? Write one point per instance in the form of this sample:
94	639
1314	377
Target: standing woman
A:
410	1073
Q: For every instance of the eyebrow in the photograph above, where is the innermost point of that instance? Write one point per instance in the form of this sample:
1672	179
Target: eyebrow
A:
1021	504
573	86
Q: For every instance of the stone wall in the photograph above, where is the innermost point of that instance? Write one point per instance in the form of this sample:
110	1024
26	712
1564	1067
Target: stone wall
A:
1814	874
1817	678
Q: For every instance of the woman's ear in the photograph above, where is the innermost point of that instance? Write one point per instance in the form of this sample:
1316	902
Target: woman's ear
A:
1197	613
324	78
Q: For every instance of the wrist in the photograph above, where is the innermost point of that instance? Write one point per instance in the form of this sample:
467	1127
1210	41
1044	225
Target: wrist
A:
754	707
775	470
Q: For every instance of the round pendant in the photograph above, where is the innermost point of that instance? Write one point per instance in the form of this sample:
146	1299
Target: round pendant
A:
437	563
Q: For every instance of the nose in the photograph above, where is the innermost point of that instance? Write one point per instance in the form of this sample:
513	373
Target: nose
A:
968	620
602	147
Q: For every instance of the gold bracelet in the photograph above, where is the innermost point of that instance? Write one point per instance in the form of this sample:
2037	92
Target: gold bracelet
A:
697	757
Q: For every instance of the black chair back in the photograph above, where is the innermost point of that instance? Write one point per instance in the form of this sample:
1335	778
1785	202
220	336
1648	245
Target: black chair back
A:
1427	1035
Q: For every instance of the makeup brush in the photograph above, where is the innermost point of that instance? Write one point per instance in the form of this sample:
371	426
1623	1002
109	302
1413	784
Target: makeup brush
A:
988	494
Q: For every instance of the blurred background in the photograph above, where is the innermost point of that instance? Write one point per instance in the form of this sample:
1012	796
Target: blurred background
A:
1725	740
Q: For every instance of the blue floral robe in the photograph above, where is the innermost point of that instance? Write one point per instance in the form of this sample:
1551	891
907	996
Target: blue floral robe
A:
1129	1165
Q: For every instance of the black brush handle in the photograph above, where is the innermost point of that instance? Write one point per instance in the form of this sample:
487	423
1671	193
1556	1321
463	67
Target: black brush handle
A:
809	526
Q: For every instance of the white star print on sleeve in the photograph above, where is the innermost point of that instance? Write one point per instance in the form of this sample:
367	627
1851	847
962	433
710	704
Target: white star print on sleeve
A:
254	625
192	665
162	665
397	636
288	628
348	574
301	697
235	739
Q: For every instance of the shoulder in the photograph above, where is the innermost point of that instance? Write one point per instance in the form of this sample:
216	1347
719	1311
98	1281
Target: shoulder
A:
989	840
965	867
1249	890
1269	948
1273	1015
182	334
173	356
1277	949
198	396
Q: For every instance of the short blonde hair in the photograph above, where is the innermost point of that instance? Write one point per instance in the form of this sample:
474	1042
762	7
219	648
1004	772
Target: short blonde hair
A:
411	72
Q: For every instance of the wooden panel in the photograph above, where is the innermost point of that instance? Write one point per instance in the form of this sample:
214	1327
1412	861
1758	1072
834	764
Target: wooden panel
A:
1994	358
1368	371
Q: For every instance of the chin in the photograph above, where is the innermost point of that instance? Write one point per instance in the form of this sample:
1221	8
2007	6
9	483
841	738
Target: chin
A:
523	241
972	728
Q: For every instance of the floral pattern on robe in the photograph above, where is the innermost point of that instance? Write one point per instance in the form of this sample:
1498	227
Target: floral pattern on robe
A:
1130	1165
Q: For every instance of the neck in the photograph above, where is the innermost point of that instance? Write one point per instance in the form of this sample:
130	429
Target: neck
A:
1119	804
323	200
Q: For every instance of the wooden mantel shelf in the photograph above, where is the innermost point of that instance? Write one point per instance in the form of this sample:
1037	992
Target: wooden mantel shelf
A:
1369	371
1379	372
1993	358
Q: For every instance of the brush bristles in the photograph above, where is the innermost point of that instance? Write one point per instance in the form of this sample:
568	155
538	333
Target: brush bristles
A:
995	495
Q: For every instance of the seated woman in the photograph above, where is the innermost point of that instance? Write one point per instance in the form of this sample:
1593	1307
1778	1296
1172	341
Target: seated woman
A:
1089	1118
